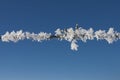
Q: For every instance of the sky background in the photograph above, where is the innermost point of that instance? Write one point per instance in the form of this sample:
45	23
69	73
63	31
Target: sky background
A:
54	60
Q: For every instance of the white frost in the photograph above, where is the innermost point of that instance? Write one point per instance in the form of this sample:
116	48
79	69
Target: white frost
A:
19	35
74	46
70	34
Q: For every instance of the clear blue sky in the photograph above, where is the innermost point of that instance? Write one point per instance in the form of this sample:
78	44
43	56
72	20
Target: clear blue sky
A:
53	60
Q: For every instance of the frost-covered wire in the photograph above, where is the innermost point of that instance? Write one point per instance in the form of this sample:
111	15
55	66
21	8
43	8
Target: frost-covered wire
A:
71	35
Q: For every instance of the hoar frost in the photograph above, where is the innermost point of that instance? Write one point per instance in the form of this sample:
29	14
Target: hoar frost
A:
71	35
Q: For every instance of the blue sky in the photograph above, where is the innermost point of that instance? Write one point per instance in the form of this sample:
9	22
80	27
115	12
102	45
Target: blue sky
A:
53	60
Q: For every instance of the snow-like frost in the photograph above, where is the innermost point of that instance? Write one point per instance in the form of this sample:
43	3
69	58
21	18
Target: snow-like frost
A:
74	46
70	34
